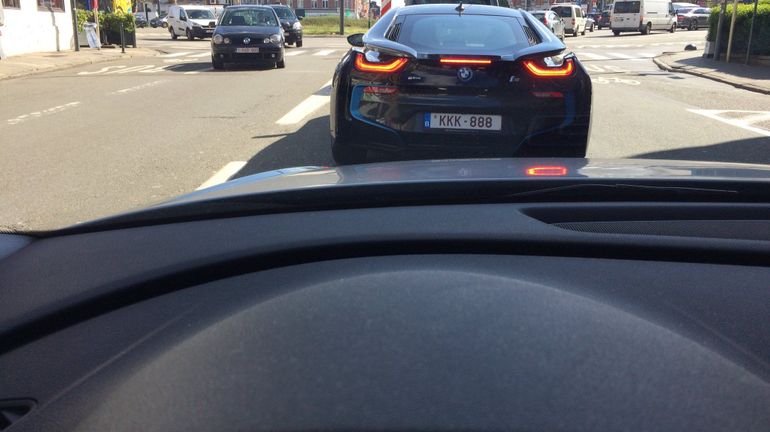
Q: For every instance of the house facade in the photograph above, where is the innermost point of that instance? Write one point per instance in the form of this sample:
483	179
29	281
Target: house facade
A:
35	26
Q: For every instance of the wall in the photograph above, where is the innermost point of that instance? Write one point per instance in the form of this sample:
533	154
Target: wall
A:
29	30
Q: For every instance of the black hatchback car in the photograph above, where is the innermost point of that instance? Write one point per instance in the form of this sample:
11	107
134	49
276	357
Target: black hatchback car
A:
247	33
292	28
447	80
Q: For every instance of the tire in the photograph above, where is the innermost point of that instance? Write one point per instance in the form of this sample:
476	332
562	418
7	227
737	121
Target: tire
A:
583	32
591	29
190	35
693	25
673	28
575	32
217	64
281	64
347	155
298	44
647	29
164	25
173	33
616	33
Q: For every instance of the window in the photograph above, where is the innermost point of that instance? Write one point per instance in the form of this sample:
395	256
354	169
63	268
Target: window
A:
12	4
50	4
563	11
464	34
300	4
325	4
627	7
579	13
248	17
314	4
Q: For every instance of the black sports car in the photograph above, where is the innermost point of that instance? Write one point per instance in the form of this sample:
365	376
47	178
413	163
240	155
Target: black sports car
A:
247	34
448	80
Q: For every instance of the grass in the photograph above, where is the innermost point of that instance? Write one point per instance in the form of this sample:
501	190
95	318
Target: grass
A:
330	25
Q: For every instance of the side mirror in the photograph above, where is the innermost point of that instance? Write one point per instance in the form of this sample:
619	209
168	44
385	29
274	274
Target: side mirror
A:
300	18
357	40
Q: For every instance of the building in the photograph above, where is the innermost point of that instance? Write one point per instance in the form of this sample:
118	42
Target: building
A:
36	26
315	7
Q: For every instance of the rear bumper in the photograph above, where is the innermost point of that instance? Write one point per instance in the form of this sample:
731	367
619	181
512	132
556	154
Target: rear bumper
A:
228	54
292	36
545	127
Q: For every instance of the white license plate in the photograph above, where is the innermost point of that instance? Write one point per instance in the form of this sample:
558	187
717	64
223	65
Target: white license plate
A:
247	50
463	121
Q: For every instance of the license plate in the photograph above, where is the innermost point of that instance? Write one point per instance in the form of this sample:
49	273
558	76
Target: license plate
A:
247	50
463	121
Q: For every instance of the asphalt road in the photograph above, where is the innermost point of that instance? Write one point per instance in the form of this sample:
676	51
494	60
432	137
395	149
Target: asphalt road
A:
92	141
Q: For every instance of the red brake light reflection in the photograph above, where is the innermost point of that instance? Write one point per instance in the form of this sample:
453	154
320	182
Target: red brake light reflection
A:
564	70
390	67
465	61
547	171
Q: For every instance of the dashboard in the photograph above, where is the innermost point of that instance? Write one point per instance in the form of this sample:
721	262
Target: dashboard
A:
484	317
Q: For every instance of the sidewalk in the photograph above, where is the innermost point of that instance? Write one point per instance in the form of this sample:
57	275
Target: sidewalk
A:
28	64
752	78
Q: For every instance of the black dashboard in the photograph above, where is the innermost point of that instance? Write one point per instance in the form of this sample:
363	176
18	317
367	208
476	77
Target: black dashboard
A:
485	317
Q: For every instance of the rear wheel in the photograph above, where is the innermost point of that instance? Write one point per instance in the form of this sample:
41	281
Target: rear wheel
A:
298	44
584	31
672	29
574	32
173	34
647	29
693	25
591	29
616	33
190	35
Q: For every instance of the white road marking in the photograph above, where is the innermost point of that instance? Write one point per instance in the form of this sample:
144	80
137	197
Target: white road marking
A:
592	56
37	114
646	55
130	69
743	123
177	54
305	108
178	60
621	55
324	52
139	87
223	175
102	70
158	69
191	73
294	53
203	54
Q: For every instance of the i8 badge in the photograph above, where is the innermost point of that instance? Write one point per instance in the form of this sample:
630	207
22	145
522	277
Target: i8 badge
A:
465	74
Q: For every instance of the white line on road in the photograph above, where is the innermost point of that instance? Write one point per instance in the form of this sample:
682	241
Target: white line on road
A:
177	54
305	108
102	70
139	87
646	55
223	175
294	53
743	123
592	56
37	114
621	55
324	52
203	54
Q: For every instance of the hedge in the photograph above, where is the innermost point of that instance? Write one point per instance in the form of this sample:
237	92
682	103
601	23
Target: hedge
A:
760	44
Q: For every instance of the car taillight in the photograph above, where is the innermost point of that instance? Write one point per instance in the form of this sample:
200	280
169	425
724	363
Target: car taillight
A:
679	17
365	65
547	171
573	21
545	21
549	68
465	61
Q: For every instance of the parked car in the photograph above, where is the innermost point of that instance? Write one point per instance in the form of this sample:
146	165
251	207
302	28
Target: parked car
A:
572	15
191	21
677	6
693	19
642	16
292	28
552	21
602	20
159	21
440	84
590	24
140	19
248	33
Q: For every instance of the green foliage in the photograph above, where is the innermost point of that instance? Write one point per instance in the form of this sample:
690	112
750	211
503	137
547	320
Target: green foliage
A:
760	44
330	24
83	17
112	21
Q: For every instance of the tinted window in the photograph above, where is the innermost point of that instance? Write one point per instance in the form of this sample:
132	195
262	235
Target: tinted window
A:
579	13
627	7
538	15
683	11
703	11
284	13
462	33
249	17
563	11
200	14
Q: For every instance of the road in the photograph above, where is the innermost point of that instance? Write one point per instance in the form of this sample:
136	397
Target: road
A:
100	139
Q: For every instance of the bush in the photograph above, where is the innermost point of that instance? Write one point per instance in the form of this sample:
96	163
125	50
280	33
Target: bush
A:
83	17
760	44
112	20
332	20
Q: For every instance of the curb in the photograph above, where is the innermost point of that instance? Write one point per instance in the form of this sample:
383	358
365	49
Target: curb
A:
65	66
694	71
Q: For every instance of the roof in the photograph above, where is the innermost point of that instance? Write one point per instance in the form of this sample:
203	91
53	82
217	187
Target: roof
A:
447	8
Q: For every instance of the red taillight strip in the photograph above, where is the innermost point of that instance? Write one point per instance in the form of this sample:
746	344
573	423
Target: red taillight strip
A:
564	70
393	66
465	61
552	171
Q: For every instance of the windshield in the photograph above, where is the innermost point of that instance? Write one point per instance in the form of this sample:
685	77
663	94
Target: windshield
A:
199	14
626	7
183	106
249	17
284	13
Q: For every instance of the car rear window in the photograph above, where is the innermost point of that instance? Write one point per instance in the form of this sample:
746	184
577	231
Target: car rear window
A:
538	15
683	11
563	11
627	7
284	13
463	34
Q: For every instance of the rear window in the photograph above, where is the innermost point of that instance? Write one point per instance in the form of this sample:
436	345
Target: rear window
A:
538	15
683	11
563	11
627	7
284	13
463	33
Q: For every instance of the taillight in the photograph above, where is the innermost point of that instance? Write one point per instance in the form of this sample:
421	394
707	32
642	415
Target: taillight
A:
679	18
465	61
573	21
550	69
394	65
545	21
547	171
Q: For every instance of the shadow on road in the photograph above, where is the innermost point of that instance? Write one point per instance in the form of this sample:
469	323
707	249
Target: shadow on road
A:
307	146
205	67
752	150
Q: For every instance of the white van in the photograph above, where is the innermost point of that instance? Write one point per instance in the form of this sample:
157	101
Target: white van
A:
191	21
642	16
573	17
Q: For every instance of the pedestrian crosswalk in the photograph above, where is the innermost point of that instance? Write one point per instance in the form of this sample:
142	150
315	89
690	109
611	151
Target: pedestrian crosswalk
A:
658	44
587	56
184	56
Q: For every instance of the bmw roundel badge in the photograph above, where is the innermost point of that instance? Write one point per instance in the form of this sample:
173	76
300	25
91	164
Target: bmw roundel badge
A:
465	74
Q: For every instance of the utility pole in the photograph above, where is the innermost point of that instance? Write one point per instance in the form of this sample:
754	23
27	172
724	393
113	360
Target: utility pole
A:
75	24
718	42
341	4
732	29
751	31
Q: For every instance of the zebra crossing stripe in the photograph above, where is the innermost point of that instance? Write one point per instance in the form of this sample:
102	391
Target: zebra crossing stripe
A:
621	56
203	54
293	53
592	56
179	54
324	52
